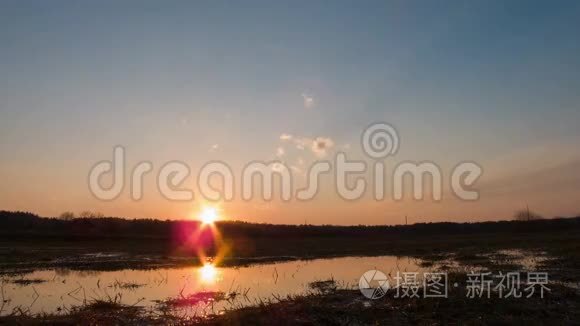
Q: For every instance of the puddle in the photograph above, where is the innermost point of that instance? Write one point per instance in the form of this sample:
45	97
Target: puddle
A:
529	261
57	291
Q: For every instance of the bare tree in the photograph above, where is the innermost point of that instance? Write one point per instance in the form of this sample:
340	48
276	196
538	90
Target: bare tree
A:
67	216
527	215
89	214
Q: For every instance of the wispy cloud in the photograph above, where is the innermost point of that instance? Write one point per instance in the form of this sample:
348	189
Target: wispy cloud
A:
280	152
308	101
302	142
321	145
285	137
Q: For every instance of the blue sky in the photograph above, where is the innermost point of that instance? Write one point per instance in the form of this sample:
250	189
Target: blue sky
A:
491	81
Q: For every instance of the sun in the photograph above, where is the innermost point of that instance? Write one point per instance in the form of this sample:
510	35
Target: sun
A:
208	215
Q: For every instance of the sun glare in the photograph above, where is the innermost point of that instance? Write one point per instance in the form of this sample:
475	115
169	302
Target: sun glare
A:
208	215
208	273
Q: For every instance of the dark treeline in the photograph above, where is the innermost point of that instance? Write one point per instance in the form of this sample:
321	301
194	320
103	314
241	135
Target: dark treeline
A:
14	224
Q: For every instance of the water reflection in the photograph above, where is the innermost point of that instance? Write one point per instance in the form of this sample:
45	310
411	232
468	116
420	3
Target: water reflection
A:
60	289
208	273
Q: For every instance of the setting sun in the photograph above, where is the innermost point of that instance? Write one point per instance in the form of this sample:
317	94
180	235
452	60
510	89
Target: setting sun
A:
208	215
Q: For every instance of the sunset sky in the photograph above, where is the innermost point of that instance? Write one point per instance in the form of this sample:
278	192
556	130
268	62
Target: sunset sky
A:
494	82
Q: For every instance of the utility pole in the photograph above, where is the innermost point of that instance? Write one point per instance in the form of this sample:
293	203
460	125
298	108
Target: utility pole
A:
406	223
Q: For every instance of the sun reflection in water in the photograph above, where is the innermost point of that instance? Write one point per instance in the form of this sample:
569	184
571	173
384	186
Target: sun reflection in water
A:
208	273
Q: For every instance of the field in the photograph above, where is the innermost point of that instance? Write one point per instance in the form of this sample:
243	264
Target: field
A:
456	249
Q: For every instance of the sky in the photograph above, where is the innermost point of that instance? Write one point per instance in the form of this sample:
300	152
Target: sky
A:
492	82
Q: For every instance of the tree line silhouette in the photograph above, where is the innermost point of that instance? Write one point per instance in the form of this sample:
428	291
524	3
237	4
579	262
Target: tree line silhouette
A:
95	225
